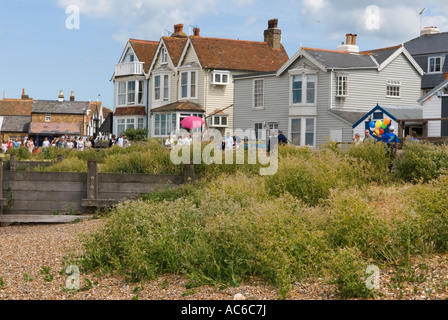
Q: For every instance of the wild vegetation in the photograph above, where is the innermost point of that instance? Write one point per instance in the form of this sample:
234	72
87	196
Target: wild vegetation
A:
326	213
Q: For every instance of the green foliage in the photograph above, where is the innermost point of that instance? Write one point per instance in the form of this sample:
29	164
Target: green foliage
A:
21	153
71	164
138	134
421	162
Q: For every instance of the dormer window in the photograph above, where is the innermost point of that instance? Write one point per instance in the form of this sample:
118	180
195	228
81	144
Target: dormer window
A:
164	55
220	77
435	64
48	118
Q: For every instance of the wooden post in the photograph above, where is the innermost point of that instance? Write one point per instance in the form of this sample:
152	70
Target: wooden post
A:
12	162
92	179
189	174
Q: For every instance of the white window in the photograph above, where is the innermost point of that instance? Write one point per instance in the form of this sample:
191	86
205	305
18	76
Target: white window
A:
434	64
393	88
48	118
129	92
130	124
129	56
219	121
188	84
164	123
162	87
164	55
220	77
258	93
121	126
342	86
302	131
258	127
140	123
303	89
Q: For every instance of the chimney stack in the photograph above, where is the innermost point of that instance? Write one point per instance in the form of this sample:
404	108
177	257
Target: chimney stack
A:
273	35
179	31
429	30
61	96
4	94
24	96
350	44
196	32
72	96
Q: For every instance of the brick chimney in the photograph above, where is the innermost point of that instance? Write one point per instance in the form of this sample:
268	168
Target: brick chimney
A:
72	96
25	96
61	96
196	32
179	31
350	44
273	35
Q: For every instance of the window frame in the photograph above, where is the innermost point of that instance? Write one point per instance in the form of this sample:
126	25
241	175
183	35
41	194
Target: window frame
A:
221	74
164	87
305	74
189	85
303	131
220	122
164	56
393	89
48	118
123	96
254	96
341	86
435	64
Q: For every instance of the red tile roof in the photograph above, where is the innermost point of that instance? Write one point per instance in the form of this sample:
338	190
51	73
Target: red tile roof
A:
227	54
145	51
175	46
16	107
130	111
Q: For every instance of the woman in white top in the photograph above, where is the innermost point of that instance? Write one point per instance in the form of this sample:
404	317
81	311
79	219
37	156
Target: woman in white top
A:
181	140
80	144
169	143
228	140
69	144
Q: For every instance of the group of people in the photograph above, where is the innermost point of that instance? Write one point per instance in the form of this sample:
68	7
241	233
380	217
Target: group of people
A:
391	139
121	141
182	140
63	142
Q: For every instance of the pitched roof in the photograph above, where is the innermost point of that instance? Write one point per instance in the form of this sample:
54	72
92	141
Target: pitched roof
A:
175	47
55	128
430	43
180	106
433	91
64	107
145	51
383	54
94	107
349	116
16	124
341	59
395	113
15	107
227	54
130	111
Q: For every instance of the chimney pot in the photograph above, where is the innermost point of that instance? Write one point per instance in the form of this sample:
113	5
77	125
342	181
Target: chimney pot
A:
196	32
179	31
72	96
354	39
273	23
348	38
61	96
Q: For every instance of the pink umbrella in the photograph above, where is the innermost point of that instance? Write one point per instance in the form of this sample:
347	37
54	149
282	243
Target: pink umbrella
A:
192	122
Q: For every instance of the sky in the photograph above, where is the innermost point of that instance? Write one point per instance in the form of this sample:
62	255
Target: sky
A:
52	45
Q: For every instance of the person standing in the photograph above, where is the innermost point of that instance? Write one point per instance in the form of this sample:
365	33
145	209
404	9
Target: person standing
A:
368	137
356	139
46	143
282	140
30	145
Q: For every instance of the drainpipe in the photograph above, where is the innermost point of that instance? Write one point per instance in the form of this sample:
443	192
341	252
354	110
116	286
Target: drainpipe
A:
331	89
148	111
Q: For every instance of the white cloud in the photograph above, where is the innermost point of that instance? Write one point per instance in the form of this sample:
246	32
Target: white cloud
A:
398	20
243	3
143	18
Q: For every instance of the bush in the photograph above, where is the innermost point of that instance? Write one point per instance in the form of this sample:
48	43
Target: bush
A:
67	165
421	162
21	153
138	134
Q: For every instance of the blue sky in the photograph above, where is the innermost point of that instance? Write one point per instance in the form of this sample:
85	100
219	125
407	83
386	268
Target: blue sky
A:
40	54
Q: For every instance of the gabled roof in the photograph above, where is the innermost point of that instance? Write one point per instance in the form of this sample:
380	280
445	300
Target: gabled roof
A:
16	107
427	44
433	91
56	107
16	124
381	55
174	47
395	113
228	54
145	51
180	106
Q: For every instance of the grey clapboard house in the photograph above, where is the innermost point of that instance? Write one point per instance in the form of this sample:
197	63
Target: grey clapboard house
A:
320	94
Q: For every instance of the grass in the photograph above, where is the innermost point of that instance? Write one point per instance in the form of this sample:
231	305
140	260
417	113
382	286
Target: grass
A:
326	213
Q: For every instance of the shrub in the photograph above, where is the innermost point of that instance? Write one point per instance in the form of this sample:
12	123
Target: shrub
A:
421	162
21	153
348	274
138	134
67	165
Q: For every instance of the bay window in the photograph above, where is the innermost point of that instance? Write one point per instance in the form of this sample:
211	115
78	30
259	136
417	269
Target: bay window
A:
130	92
162	87
188	84
164	123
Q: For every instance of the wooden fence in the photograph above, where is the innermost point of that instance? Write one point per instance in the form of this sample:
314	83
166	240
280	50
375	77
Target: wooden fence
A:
31	196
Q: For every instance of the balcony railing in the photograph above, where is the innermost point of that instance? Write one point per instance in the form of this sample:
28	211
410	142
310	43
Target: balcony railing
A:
128	68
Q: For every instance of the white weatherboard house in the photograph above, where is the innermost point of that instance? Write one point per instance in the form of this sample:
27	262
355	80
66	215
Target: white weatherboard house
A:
435	106
320	94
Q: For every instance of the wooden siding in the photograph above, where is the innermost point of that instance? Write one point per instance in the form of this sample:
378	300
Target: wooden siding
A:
432	108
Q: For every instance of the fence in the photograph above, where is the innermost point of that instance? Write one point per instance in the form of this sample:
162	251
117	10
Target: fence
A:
30	196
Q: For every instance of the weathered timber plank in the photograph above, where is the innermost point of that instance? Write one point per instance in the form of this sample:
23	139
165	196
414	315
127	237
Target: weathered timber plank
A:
22	218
